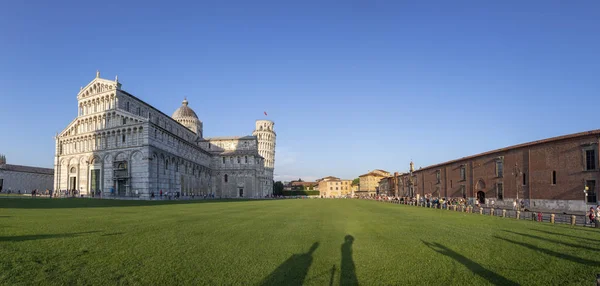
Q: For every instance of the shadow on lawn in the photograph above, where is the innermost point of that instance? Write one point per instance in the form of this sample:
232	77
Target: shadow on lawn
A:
43	236
477	269
554	241
348	273
292	271
566	235
112	234
568	257
68	203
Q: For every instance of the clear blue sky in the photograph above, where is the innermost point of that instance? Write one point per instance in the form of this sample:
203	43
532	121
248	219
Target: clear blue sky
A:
351	85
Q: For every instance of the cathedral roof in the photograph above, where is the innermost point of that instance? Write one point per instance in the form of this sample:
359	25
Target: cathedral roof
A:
184	111
26	169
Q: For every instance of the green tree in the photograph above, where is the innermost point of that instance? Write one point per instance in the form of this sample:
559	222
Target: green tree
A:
278	188
355	181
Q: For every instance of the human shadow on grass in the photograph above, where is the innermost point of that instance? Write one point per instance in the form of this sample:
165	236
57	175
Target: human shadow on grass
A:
348	272
293	271
554	241
43	236
112	234
578	227
564	256
69	203
477	269
567	235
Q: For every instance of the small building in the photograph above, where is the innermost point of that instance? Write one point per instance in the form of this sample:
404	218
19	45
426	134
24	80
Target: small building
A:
369	182
389	186
24	179
331	186
303	186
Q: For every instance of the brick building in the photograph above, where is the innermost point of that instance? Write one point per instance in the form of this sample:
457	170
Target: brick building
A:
547	174
390	186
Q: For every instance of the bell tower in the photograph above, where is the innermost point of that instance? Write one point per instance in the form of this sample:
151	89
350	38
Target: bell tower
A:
266	136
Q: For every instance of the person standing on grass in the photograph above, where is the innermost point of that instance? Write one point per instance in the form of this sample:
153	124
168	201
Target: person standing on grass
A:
592	215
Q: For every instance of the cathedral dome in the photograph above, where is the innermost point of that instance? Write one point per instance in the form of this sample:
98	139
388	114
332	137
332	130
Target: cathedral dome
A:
184	111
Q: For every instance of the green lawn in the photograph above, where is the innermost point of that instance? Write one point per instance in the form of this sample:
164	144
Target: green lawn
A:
285	242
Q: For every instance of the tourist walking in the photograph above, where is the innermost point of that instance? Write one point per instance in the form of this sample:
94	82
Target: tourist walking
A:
592	216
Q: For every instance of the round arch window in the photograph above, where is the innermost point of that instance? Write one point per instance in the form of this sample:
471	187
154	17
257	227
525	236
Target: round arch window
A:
73	170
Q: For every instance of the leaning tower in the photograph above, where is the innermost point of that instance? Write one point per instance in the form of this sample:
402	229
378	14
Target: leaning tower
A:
266	148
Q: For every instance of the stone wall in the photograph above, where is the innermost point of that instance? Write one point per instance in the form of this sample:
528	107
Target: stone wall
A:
26	182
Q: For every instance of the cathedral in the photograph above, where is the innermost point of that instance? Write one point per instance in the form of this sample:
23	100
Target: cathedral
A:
118	145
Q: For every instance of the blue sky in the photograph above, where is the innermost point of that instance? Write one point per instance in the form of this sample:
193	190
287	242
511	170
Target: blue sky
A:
351	85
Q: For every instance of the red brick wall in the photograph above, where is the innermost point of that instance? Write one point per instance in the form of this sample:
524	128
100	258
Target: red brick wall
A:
537	162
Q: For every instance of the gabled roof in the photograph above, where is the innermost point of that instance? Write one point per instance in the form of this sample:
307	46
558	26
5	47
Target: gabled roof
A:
303	183
27	169
328	178
528	144
373	173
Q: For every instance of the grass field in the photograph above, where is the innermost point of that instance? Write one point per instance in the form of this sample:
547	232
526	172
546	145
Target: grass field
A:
286	242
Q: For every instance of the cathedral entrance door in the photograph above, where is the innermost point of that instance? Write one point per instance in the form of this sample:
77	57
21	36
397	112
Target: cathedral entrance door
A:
72	183
121	188
241	190
481	197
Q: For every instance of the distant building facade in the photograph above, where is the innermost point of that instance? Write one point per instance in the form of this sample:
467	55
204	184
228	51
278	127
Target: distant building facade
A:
120	145
390	186
334	187
369	182
24	179
560	173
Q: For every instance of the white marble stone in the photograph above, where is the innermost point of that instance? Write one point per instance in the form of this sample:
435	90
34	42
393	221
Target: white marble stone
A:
136	150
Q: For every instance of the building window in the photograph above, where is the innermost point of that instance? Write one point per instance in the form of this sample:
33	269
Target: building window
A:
524	179
463	192
127	106
223	160
450	183
336	188
591	191
225	178
499	169
245	159
554	177
590	159
331	188
124	120
437	176
123	138
463	173
500	191
239	160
